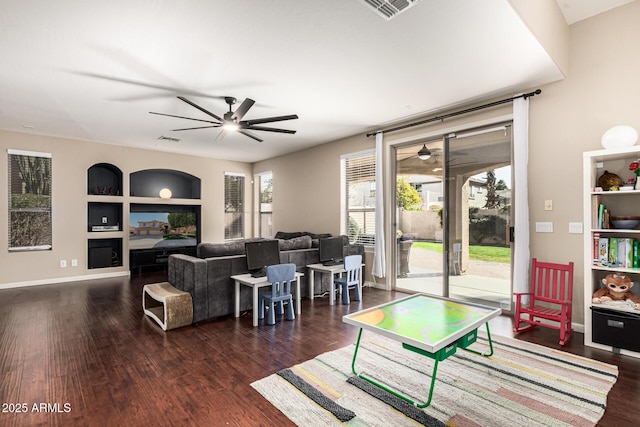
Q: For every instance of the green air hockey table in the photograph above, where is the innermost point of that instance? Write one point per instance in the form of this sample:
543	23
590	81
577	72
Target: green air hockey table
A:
428	325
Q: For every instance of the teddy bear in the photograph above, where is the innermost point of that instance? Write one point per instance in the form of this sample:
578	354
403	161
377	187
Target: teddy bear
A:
617	287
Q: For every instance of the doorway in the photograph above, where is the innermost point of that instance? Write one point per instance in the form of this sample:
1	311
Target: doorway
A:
453	216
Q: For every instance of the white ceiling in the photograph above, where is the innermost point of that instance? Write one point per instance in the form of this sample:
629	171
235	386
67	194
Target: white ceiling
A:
93	70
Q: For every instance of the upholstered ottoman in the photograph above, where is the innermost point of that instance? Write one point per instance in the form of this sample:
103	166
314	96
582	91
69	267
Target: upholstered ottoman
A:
168	306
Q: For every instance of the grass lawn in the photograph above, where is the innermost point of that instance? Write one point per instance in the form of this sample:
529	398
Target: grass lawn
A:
480	253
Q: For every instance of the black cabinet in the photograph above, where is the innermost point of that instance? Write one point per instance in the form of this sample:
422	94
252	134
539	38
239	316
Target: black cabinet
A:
105	253
619	329
147	258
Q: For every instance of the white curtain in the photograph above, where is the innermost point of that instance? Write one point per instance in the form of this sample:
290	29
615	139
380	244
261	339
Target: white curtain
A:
378	255
521	159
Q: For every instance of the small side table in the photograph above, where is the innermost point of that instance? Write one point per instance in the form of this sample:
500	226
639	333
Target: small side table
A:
256	283
171	308
328	269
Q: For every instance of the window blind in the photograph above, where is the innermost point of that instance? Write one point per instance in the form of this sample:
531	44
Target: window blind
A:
265	204
233	206
358	197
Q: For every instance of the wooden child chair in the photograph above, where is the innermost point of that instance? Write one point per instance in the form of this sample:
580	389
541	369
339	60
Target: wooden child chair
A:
550	299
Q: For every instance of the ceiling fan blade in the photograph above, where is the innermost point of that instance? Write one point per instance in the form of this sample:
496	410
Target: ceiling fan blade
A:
200	127
242	109
182	98
250	135
271	129
270	119
220	136
182	117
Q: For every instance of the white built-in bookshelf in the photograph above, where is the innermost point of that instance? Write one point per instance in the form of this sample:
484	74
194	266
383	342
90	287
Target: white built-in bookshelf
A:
608	249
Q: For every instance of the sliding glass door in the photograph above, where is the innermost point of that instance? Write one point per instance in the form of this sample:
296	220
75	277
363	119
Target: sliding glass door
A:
419	209
453	216
479	183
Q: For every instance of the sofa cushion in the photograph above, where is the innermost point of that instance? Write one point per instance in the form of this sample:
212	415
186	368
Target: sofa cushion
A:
317	236
286	235
302	242
234	247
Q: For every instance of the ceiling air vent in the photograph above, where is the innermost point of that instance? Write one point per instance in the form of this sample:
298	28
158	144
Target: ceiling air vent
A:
390	8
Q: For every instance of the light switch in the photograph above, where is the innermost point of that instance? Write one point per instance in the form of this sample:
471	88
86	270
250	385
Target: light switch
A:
548	205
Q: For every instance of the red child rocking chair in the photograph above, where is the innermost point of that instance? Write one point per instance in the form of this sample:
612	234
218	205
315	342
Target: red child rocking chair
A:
550	299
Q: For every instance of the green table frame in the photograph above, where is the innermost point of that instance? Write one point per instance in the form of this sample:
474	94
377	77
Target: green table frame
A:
442	350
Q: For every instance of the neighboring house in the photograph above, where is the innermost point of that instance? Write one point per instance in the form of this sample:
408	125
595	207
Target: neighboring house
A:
149	228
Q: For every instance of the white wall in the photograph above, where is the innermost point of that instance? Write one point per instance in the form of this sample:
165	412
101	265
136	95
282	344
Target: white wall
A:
70	161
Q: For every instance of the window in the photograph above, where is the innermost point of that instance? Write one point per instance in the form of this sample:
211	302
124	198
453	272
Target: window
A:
233	206
29	200
358	197
265	205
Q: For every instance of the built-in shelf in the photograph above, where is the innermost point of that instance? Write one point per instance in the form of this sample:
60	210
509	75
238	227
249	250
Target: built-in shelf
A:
602	325
104	216
104	179
164	184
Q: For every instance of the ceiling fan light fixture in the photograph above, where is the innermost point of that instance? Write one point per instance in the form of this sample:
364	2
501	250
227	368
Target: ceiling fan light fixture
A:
424	153
230	126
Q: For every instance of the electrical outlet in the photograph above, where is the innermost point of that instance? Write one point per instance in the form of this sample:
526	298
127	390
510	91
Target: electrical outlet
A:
575	227
104	220
63	263
74	263
544	227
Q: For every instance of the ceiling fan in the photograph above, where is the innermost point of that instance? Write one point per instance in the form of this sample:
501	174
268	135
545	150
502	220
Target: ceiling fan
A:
232	120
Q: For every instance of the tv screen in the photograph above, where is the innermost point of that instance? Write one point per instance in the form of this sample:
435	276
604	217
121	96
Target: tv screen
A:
261	254
330	249
165	229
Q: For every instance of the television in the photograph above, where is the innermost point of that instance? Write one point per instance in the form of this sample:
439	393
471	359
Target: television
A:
261	254
331	250
163	226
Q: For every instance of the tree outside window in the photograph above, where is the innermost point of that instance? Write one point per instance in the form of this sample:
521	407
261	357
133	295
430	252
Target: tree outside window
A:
30	226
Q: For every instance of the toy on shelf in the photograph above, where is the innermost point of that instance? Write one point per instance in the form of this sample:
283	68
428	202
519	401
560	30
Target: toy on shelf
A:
617	287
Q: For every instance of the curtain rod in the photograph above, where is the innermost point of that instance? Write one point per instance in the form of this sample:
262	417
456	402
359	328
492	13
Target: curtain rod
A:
457	113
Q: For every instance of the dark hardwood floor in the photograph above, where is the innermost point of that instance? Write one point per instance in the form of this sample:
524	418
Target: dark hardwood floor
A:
83	353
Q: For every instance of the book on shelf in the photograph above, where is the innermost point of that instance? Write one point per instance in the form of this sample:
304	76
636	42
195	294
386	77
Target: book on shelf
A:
603	218
615	251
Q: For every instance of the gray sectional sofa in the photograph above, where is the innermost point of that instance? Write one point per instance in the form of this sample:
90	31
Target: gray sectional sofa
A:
207	277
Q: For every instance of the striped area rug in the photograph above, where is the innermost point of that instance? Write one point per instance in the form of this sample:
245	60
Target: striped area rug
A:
522	384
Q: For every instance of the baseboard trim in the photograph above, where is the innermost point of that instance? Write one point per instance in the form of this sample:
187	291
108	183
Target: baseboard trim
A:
64	279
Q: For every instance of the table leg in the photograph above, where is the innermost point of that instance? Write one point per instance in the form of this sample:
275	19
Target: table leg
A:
298	296
387	389
255	306
237	301
312	273
332	293
490	345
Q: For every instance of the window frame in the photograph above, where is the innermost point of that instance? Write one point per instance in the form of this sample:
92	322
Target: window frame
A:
30	206
262	212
